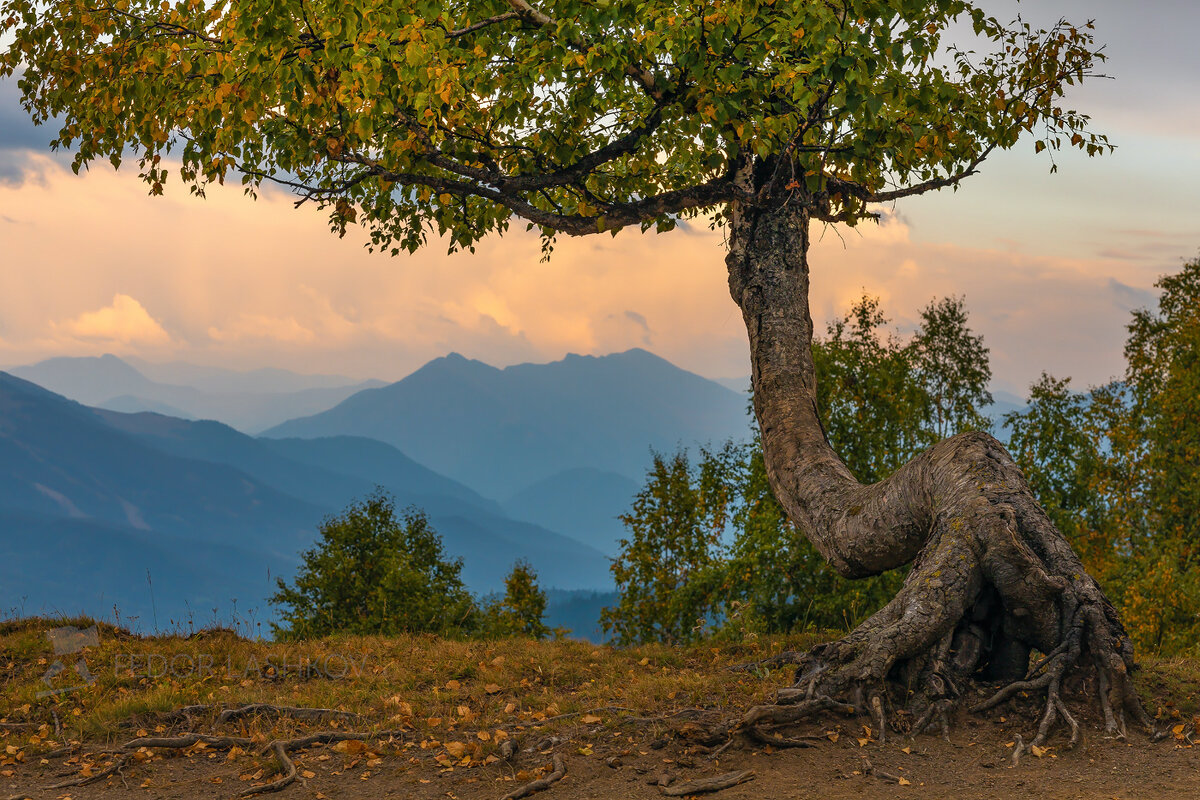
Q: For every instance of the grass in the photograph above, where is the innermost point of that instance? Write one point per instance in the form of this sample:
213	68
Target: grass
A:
438	689
435	687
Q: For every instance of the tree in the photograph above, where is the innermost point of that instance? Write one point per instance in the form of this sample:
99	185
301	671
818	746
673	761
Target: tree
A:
953	364
667	568
1117	468
372	572
877	395
457	116
520	610
868	394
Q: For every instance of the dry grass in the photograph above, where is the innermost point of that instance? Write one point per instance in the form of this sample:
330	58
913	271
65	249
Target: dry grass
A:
431	686
437	689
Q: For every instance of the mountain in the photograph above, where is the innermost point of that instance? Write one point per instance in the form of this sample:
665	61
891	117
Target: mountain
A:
502	430
99	507
88	511
582	503
265	380
332	472
249	401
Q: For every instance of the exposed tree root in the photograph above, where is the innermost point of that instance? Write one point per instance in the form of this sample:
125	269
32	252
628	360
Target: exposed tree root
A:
869	769
187	740
780	741
84	780
777	660
286	765
560	771
993	581
707	785
267	710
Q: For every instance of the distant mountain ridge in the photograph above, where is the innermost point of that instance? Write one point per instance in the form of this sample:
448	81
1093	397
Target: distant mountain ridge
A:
501	431
94	502
249	401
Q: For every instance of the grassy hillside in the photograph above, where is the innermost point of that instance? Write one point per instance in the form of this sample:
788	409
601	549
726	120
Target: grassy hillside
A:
425	717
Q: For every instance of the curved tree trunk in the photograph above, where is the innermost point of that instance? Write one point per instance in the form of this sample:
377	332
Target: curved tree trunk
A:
992	578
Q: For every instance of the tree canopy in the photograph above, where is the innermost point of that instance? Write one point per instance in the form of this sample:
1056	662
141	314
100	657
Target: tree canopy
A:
579	116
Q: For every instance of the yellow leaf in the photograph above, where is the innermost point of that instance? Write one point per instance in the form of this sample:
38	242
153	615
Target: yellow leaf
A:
863	742
456	749
832	735
446	199
1037	751
350	746
904	782
644	662
492	688
589	719
308	773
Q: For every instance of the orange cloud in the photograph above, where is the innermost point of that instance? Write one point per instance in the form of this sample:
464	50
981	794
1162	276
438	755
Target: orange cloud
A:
246	283
125	321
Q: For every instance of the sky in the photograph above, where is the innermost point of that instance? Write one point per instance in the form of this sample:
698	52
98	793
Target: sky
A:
1050	266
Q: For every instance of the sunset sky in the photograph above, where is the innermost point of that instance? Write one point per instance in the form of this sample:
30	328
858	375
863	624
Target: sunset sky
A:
1050	265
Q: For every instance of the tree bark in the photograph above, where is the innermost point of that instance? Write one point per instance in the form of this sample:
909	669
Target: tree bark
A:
992	578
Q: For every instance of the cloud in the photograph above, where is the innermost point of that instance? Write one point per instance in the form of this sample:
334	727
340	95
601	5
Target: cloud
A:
263	328
242	283
125	321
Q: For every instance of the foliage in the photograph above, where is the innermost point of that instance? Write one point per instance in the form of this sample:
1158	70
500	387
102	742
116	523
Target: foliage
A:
1118	468
373	572
953	368
457	115
376	571
868	394
667	567
520	610
744	566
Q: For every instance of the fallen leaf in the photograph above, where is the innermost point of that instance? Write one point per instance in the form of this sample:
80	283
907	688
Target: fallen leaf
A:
456	749
644	662
453	685
492	688
863	742
589	719
832	735
497	661
308	773
906	750
500	735
904	782
350	746
1037	751
510	708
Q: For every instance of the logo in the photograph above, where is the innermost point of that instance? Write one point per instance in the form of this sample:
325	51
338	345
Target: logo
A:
68	641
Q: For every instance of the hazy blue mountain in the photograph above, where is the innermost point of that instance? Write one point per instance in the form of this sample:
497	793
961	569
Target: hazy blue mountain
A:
265	380
249	401
582	503
502	430
91	499
60	458
89	380
333	472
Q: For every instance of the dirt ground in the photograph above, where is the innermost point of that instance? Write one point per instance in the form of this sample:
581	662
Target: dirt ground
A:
621	761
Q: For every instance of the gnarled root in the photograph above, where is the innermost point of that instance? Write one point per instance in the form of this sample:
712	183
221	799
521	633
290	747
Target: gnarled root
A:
994	582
